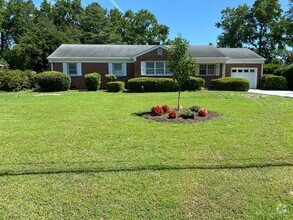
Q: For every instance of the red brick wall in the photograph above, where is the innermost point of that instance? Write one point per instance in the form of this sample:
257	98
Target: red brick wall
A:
78	82
239	65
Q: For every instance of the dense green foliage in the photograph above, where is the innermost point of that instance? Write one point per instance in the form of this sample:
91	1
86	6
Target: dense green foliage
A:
16	80
193	84
29	34
93	81
110	77
261	27
52	81
117	86
287	72
81	155
230	84
270	81
270	68
148	84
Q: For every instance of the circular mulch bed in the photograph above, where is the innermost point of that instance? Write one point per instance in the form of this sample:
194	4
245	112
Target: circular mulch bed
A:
165	118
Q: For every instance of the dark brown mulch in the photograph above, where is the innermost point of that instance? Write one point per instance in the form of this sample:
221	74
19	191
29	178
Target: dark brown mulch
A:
165	118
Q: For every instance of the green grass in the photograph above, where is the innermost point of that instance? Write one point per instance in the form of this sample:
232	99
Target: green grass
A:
87	155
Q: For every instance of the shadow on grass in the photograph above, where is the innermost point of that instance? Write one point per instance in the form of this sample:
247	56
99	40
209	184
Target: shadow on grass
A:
145	168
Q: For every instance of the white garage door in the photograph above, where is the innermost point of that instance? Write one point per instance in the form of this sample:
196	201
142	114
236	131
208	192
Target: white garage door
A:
246	73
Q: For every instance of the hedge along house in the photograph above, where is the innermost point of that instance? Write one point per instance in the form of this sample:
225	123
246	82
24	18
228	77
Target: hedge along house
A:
131	61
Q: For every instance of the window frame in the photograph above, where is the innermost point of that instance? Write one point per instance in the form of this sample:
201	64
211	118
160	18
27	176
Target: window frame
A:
207	69
155	68
121	70
68	69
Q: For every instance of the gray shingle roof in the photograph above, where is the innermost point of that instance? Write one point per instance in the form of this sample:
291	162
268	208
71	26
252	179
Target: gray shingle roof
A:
240	53
98	51
205	51
129	51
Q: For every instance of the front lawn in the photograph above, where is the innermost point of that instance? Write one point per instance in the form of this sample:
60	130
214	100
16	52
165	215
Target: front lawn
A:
75	155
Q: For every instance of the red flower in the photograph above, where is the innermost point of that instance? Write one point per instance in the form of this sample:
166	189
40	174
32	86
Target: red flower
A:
157	110
173	114
202	112
166	108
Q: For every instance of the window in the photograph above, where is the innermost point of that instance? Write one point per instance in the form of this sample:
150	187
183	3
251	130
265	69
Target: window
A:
160	52
157	68
72	68
252	71
246	71
117	69
150	68
207	69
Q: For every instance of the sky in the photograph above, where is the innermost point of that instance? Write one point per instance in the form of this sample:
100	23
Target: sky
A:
194	19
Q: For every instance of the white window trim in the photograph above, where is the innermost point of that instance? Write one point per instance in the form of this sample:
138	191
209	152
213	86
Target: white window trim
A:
217	69
155	68
78	69
123	66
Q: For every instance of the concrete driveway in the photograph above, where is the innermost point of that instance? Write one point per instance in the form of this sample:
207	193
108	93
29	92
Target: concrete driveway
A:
273	92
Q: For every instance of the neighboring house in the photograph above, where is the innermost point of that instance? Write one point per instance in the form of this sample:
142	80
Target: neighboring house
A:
130	61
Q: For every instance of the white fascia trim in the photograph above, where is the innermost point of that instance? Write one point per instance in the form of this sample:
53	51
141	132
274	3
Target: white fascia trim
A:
147	51
207	60
246	61
91	60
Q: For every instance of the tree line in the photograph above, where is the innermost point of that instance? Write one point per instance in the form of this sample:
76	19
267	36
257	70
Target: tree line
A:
264	27
29	34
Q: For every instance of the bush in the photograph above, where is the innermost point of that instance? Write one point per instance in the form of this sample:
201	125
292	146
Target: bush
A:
269	81
157	110
53	81
230	84
186	113
115	86
193	84
92	81
287	72
202	112
195	108
16	80
145	84
270	68
166	108
172	114
110	77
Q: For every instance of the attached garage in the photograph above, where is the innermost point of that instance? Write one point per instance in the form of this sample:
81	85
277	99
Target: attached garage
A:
246	73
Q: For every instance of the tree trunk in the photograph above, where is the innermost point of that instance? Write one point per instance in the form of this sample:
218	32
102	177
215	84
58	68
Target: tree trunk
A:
179	91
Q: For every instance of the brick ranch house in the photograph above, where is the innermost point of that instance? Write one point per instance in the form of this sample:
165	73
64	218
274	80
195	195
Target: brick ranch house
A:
130	61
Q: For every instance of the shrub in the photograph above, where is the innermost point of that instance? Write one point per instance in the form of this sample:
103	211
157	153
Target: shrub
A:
53	81
145	84
193	84
166	108
230	84
270	68
16	80
195	108
202	112
172	114
269	81
287	72
92	81
157	110
110	77
115	86
186	113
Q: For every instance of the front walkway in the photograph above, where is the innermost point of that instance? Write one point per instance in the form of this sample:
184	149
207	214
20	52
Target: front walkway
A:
273	92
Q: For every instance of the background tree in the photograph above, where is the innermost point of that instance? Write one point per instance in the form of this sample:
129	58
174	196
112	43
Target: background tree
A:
97	26
180	63
263	28
138	28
